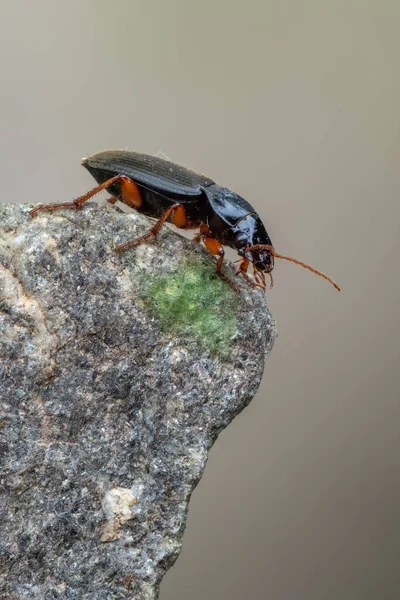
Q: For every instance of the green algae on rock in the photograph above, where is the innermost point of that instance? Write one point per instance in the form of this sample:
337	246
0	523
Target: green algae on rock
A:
193	301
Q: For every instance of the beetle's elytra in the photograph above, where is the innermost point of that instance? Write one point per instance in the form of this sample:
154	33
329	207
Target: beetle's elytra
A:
166	191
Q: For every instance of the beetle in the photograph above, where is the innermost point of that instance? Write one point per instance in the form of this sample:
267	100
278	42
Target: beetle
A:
163	190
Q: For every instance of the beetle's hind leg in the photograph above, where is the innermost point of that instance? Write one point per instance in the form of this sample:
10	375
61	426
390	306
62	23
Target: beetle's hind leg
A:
130	195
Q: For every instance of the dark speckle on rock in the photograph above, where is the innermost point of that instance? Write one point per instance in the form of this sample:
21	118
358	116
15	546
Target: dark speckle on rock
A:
117	373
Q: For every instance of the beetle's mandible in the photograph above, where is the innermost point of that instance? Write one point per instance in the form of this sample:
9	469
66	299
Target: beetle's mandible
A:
166	191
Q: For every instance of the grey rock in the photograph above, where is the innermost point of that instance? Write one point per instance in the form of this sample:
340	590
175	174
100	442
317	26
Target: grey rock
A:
117	372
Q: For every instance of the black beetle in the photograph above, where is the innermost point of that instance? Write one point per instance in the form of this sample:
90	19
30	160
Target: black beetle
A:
161	189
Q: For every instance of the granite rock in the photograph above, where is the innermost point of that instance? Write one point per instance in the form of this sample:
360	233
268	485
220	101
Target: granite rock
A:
117	372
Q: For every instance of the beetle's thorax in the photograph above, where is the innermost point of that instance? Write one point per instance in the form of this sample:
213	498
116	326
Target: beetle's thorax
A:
251	229
235	223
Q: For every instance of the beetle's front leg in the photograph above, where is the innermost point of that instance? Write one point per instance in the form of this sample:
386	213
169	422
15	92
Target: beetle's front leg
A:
258	275
244	265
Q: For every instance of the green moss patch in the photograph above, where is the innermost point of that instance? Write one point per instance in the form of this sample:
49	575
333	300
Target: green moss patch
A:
193	301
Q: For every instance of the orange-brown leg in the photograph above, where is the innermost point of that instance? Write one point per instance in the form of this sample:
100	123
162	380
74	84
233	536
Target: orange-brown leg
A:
216	248
258	276
204	232
178	219
244	265
130	195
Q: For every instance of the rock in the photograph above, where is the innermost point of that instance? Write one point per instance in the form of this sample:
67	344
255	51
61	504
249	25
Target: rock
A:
117	372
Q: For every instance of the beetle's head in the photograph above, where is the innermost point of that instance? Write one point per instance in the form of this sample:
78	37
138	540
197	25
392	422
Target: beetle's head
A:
263	260
254	246
250	233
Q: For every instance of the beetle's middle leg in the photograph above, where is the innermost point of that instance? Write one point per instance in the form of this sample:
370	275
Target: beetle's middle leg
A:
179	219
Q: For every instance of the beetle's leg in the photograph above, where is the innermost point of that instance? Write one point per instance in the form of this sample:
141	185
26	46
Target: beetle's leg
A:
242	270
248	279
260	277
258	274
130	195
244	265
178	219
216	248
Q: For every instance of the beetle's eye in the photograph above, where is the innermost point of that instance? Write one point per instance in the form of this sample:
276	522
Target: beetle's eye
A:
241	240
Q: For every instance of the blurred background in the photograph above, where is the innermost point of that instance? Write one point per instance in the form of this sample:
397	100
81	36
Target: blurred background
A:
295	106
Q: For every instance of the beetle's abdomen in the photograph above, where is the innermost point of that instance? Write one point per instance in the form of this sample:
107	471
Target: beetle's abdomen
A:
157	173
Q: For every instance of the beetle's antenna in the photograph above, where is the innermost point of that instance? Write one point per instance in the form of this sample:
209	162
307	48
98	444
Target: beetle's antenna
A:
298	262
294	260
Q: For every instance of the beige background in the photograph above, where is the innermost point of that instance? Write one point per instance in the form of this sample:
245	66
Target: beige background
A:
294	105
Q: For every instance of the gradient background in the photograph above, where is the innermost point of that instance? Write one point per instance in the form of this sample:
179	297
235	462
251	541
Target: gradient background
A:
294	105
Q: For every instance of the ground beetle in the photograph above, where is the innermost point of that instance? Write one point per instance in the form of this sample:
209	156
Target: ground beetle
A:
163	190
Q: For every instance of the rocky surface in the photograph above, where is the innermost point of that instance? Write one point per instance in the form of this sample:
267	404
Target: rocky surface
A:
117	372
